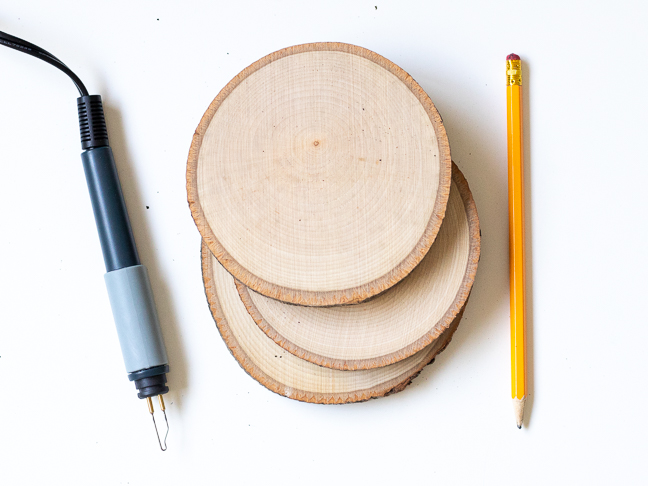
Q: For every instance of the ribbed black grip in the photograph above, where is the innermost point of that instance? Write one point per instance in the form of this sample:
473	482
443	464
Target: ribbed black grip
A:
92	122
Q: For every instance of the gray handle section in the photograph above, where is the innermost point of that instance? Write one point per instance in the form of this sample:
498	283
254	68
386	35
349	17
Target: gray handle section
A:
133	308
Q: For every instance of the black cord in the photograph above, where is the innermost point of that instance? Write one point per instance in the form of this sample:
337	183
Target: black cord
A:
33	50
92	122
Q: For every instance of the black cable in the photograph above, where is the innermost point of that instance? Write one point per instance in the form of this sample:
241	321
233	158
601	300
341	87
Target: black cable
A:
24	43
92	122
39	53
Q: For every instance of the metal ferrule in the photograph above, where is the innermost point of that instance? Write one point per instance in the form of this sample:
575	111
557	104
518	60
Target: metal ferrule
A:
513	72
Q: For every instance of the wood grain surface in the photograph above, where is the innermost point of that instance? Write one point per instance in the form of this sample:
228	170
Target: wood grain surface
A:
290	376
320	175
396	324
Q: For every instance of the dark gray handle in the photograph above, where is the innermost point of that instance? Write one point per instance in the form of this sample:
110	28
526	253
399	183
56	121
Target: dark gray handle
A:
113	225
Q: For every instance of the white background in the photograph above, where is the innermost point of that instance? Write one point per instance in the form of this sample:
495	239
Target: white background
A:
68	414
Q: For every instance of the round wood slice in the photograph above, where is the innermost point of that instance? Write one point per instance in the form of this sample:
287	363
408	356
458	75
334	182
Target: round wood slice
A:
293	377
320	175
396	324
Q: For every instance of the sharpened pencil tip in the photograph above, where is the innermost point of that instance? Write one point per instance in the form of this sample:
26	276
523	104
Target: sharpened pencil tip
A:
518	408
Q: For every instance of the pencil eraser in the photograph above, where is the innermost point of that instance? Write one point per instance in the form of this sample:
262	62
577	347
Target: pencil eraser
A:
512	57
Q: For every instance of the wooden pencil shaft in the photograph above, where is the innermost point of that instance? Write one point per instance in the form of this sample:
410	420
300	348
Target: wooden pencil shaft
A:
516	239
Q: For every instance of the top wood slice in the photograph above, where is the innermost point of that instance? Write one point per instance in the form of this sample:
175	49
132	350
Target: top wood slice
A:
320	175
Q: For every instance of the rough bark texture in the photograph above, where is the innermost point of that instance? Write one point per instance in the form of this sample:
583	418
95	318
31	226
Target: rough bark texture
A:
321	385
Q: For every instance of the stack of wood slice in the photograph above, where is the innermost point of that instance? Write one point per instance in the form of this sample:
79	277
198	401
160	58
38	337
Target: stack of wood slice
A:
339	241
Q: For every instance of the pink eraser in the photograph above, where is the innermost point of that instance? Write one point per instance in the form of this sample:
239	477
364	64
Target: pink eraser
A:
512	57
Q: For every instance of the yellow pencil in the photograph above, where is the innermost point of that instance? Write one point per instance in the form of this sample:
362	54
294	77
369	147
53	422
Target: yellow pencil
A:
516	233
